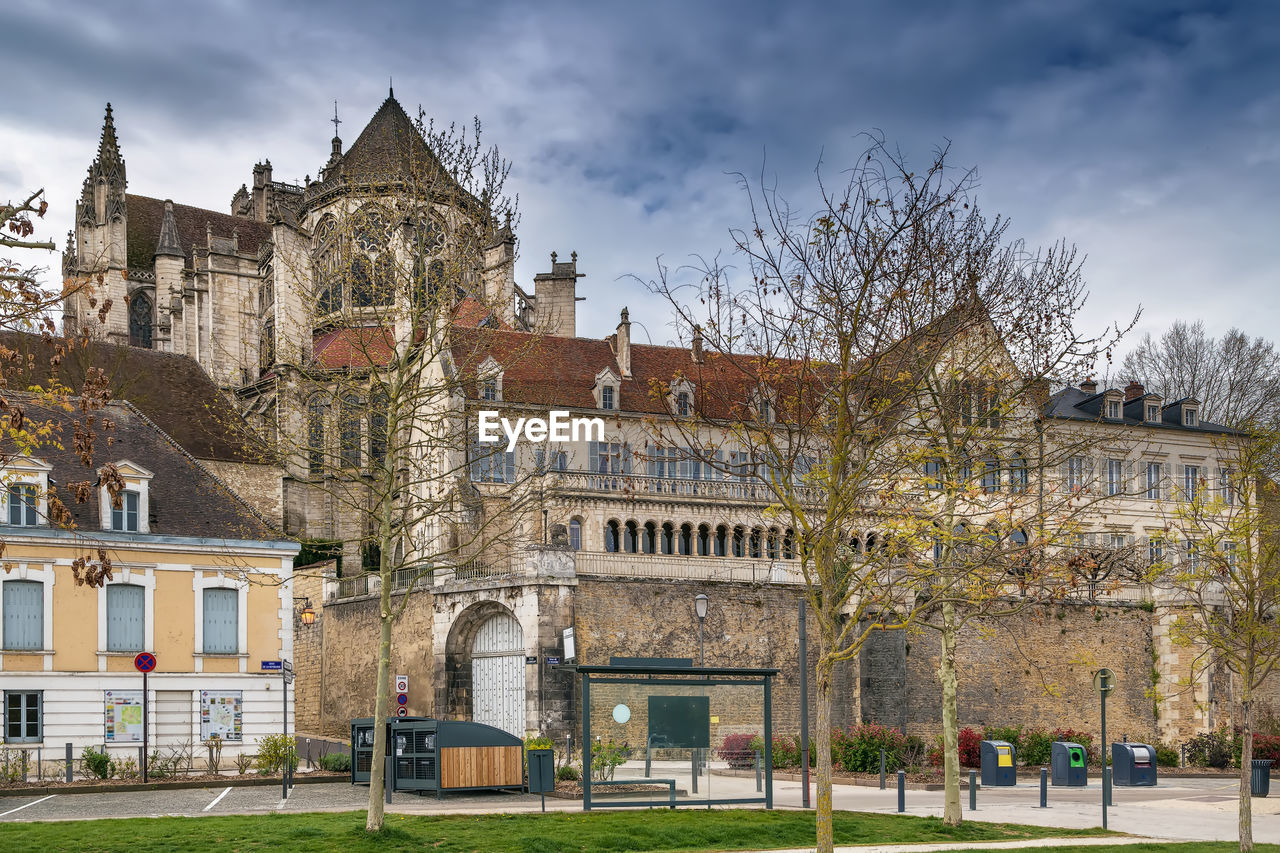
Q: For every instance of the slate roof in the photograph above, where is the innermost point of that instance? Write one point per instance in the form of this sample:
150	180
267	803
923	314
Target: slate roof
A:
172	390
390	146
145	218
1073	404
184	498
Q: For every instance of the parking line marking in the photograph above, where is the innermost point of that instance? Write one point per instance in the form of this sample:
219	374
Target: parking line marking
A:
218	798
28	805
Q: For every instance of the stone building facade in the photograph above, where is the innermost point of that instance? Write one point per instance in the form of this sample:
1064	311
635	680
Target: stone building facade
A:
616	531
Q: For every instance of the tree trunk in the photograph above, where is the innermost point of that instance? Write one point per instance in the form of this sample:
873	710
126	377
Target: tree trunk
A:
373	821
951	814
826	838
1246	771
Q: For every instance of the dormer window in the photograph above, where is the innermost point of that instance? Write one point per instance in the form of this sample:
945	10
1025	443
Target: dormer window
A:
1153	413
1113	410
22	505
125	517
680	397
682	404
762	402
607	400
1189	417
490	381
606	390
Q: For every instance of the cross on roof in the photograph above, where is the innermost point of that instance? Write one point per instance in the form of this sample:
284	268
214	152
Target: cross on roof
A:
336	121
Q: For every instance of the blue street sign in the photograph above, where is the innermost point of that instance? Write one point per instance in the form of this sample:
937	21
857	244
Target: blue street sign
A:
553	659
272	665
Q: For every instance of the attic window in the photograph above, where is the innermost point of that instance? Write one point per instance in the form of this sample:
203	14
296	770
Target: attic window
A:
607	397
1189	417
1153	413
682	404
1113	410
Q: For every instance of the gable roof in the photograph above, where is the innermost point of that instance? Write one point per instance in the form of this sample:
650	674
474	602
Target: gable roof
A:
185	499
145	219
172	390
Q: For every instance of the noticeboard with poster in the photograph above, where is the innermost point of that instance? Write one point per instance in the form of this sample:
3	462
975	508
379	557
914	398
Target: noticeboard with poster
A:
123	716
220	714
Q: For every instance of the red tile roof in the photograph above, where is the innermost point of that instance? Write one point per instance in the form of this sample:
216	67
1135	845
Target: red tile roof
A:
353	347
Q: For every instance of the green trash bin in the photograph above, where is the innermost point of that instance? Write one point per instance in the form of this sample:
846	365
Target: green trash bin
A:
1260	784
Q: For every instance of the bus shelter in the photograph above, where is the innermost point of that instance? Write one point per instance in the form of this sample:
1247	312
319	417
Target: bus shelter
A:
669	735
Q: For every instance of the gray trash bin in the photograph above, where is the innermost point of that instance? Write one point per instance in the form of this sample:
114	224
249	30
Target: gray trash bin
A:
1069	763
1133	765
1260	783
999	764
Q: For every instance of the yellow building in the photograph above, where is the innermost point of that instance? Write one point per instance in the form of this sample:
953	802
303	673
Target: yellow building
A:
198	578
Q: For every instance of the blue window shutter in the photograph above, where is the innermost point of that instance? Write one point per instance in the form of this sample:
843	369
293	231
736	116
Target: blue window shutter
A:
221	621
23	615
125	614
511	467
593	458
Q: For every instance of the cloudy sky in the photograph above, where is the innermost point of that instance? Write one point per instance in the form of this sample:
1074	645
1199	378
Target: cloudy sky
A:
1147	133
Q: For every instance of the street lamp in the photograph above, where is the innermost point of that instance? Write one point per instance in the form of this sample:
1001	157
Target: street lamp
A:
700	602
307	615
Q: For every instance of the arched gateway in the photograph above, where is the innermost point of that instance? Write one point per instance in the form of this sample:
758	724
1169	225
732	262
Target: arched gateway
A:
497	674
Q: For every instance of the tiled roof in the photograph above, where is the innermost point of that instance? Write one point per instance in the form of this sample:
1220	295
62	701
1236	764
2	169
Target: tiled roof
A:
171	390
353	347
185	499
145	217
389	147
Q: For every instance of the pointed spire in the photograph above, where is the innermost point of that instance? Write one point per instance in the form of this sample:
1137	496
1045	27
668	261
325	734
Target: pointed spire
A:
391	89
168	243
108	145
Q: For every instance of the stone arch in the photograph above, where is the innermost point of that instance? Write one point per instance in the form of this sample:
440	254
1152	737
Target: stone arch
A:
476	626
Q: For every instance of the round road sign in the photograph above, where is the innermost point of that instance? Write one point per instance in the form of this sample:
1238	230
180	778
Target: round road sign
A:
1104	681
402	699
144	661
402	711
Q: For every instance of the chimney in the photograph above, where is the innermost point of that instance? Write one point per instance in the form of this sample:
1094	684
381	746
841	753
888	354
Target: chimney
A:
622	347
1089	386
1134	390
696	349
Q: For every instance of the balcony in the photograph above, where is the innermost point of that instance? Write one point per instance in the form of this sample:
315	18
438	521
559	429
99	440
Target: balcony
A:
724	569
667	488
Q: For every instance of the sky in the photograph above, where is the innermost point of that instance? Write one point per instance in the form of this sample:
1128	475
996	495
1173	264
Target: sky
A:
1147	134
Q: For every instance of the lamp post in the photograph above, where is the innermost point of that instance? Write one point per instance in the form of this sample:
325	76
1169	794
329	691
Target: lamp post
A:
700	602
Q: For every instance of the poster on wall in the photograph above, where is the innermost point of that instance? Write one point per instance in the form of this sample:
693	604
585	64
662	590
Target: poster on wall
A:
220	714
123	716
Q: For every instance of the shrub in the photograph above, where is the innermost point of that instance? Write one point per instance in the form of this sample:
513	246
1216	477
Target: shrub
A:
1267	746
606	756
970	749
1037	746
98	763
738	750
1211	749
857	748
1166	756
568	773
786	751
213	748
336	762
273	751
14	764
1012	734
243	762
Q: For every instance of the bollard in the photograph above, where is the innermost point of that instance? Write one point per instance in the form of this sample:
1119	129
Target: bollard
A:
390	778
759	783
902	791
1044	787
310	766
39	766
69	769
1184	756
882	770
973	790
141	754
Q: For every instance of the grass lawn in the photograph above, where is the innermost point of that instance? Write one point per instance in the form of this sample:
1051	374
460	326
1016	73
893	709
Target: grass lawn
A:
493	833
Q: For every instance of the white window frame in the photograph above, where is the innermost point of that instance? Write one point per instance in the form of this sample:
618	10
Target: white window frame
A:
608	379
1190	482
490	376
1155	489
128	576
1153	413
1190	417
203	580
1114	410
1115	477
137	479
45	575
27	471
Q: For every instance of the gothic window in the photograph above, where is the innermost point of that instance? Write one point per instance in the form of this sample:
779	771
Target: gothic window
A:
378	404
316	411
267	345
327	281
140	313
349	433
360	282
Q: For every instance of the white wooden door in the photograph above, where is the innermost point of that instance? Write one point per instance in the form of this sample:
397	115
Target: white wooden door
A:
497	675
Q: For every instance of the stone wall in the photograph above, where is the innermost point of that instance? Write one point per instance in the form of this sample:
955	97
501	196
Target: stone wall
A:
260	486
1031	669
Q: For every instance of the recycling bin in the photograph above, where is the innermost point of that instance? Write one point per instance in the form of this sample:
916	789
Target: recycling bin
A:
542	770
1260	782
361	749
1133	765
1069	764
999	763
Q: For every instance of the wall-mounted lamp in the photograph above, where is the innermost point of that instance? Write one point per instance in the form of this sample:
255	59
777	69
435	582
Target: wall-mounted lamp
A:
307	615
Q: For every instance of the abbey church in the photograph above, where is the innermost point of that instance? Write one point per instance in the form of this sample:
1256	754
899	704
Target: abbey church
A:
289	287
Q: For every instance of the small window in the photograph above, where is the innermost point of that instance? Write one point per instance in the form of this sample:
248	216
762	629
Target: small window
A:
22	716
125	614
932	474
1153	413
607	397
611	536
1229	554
221	621
316	410
575	534
1154	476
22	505
1191	482
23	605
991	475
766	410
1018	478
1155	550
1228	486
489	390
1076	474
1113	410
124	518
1115	476
1189	417
682	404
349	433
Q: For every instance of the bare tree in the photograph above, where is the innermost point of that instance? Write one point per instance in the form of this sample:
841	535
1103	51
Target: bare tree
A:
829	359
1236	378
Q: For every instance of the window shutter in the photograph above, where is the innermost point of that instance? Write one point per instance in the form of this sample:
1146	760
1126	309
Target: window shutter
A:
1064	474
125	613
23	615
511	467
1090	471
626	458
1181	485
1130	479
221	621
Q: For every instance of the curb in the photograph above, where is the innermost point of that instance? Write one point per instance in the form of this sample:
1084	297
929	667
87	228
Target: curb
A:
176	785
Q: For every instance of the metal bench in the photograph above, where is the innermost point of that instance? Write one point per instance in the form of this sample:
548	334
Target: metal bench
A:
670	783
